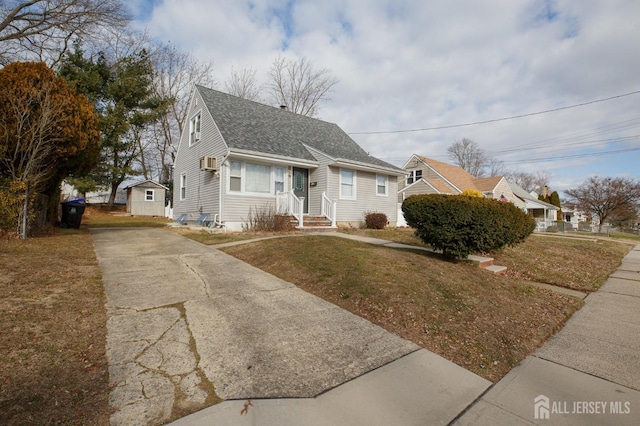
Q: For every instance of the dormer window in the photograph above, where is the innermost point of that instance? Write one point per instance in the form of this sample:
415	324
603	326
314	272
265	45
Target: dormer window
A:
194	129
414	176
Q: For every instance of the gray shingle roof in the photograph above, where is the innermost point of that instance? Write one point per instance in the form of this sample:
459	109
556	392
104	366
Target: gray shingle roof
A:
524	195
252	126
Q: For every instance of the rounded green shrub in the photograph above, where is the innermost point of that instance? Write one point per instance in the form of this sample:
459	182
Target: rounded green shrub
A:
461	225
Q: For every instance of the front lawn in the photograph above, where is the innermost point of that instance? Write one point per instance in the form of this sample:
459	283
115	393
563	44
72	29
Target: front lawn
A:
482	322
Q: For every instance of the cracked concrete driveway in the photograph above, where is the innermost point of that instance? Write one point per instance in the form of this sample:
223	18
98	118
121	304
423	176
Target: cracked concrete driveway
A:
189	325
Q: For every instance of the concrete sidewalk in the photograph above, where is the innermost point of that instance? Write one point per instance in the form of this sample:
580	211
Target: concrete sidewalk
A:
185	318
189	324
587	374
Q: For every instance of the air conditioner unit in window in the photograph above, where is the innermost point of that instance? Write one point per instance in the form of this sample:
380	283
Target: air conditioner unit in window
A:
197	136
209	163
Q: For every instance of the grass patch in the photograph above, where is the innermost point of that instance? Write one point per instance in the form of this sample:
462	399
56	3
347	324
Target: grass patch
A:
573	263
398	235
624	236
577	263
482	322
98	216
53	367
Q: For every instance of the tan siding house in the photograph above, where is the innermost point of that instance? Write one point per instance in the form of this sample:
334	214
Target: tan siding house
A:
429	176
236	156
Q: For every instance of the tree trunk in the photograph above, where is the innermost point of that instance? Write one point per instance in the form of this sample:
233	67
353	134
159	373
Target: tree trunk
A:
112	196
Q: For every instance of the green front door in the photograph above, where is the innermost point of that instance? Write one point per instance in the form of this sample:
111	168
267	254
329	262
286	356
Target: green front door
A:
301	185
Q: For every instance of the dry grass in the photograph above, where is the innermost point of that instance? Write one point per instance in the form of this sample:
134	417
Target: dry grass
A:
100	216
53	366
578	264
483	322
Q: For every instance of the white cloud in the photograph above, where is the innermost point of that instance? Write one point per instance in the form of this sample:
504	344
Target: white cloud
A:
412	64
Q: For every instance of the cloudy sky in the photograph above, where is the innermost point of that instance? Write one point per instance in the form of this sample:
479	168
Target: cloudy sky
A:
413	73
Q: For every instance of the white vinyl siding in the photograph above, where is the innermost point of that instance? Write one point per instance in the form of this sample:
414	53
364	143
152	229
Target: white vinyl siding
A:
353	211
203	191
382	185
347	184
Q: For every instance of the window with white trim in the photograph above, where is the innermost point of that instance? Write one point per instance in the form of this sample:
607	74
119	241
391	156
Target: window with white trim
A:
414	176
279	179
382	183
347	184
235	176
255	178
149	194
183	186
194	129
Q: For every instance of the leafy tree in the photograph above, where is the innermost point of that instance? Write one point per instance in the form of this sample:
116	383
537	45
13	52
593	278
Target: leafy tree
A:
468	155
44	28
299	86
606	196
47	131
123	96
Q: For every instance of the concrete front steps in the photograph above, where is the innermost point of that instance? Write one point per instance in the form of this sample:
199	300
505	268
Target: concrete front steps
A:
313	223
487	264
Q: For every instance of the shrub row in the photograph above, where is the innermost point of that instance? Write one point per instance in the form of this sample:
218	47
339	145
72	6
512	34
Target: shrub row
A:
460	225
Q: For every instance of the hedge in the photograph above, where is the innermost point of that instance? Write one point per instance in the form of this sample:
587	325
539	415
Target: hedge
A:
460	225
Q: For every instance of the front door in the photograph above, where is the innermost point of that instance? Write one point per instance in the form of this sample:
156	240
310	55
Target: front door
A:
301	185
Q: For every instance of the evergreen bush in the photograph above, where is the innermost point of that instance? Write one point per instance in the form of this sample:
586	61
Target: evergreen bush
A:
461	225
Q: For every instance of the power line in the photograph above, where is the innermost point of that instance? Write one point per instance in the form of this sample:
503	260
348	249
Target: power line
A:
562	157
496	119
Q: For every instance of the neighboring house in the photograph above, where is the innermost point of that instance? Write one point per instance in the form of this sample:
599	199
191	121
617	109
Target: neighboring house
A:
544	213
576	217
429	176
146	198
236	156
69	192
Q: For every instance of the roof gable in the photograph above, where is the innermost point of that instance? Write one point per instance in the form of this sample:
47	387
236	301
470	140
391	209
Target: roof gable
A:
251	126
458	176
519	192
146	184
487	184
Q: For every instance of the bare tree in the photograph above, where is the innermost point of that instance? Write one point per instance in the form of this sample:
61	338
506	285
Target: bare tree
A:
243	84
605	196
529	181
468	155
299	86
495	167
176	73
45	29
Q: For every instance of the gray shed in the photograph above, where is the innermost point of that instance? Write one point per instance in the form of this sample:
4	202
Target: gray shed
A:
146	198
